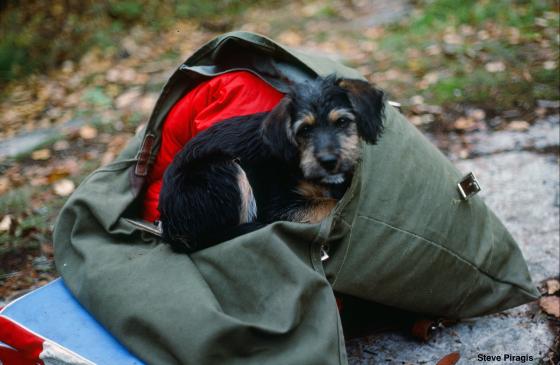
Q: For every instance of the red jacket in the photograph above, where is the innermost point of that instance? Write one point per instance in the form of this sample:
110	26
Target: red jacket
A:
222	97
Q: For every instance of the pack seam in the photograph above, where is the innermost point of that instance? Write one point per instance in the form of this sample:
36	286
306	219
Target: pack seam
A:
448	251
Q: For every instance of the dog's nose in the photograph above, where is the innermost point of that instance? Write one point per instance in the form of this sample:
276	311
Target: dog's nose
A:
327	161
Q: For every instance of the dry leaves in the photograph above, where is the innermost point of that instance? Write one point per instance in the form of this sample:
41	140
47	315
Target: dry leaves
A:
553	286
551	305
450	359
518	126
41	155
64	187
4	184
88	132
7	223
493	67
128	99
464	124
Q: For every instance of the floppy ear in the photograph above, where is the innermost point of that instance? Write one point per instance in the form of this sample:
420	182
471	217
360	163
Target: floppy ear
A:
276	131
369	103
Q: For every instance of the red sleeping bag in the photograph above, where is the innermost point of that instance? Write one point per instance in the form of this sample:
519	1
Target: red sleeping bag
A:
222	97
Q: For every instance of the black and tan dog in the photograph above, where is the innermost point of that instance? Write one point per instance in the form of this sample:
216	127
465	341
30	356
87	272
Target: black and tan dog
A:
293	163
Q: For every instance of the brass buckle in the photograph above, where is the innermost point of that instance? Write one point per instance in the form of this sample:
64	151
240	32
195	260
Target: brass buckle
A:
468	186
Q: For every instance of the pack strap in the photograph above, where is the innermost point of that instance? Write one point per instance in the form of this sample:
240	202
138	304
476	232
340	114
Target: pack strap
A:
144	155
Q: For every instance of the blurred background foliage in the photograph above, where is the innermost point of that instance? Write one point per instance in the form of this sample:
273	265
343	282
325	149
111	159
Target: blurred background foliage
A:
459	47
39	35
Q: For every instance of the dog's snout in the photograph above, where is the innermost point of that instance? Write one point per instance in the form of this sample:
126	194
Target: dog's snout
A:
328	161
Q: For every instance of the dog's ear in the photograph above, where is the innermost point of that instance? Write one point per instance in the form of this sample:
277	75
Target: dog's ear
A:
369	103
276	131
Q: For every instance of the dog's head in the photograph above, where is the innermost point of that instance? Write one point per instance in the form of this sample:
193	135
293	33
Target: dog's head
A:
320	123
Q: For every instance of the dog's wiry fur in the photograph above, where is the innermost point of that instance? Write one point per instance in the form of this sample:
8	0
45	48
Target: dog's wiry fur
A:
296	161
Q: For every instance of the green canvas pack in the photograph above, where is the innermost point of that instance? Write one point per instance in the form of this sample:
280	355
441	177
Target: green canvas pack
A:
400	236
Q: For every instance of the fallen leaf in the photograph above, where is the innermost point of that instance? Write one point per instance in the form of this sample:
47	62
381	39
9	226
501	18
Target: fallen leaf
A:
433	50
551	305
541	22
57	174
4	184
47	249
38	181
290	38
478	114
464	123
88	132
417	100
64	187
453	38
552	286
61	145
483	35
497	66
43	154
549	65
449	359
6	223
127	99
518	126
147	103
415	119
107	158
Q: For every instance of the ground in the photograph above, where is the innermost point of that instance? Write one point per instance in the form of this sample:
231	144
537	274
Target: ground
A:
481	80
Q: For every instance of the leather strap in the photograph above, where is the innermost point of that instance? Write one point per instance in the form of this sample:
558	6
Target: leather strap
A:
144	155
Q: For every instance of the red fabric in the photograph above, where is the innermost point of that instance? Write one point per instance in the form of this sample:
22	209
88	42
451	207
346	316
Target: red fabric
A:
27	346
225	96
14	357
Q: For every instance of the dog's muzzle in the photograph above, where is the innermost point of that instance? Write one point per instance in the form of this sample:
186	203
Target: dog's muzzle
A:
334	179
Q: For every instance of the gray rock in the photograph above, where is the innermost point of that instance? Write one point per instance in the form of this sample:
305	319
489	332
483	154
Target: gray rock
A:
28	141
520	331
541	137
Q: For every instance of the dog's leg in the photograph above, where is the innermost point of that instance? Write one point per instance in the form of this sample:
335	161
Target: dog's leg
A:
204	202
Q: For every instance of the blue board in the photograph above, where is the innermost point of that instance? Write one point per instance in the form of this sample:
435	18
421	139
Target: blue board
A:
52	312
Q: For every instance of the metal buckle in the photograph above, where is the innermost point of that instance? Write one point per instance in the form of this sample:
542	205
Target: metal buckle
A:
395	104
324	252
153	228
468	186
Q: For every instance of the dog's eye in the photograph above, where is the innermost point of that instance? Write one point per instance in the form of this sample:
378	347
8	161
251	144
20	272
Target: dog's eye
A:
304	130
342	122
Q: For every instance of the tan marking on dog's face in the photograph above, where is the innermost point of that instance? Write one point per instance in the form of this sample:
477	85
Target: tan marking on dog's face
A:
248	211
308	163
306	119
350	145
336	114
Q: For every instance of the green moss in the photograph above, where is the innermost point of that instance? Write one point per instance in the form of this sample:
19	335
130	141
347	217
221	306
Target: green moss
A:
15	201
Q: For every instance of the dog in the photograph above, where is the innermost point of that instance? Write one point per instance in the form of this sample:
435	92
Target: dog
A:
293	164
